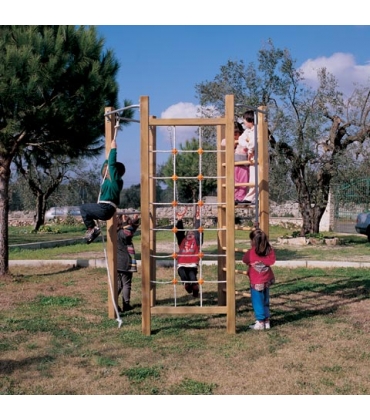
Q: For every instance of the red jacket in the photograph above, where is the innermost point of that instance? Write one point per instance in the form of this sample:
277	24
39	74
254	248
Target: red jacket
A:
259	270
188	252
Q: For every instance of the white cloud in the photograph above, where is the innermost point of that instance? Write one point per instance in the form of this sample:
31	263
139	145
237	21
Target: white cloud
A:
180	110
343	66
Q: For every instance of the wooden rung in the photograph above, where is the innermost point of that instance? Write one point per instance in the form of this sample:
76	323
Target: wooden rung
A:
238	228
242	228
241	163
236	271
236	249
242	184
238	293
241	249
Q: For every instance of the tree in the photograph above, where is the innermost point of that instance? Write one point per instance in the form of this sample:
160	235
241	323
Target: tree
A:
44	171
312	132
130	197
185	164
55	82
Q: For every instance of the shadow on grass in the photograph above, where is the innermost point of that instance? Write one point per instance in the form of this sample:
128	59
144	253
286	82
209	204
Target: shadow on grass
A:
308	296
9	366
295	299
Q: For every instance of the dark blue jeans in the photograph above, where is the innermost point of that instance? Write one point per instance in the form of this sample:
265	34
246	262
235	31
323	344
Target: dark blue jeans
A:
95	211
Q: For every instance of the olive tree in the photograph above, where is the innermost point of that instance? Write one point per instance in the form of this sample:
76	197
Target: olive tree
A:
313	132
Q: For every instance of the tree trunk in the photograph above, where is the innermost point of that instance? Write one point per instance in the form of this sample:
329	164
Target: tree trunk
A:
4	213
40	211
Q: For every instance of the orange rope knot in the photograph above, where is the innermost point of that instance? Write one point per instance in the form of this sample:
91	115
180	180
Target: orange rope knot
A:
200	203
200	229
174	255
174	203
174	177
201	255
200	177
174	230
200	281
174	151
174	281
200	151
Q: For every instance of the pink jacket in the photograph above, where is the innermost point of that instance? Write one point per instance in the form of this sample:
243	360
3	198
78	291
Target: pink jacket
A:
259	268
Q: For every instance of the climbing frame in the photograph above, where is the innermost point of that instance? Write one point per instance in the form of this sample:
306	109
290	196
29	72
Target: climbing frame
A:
225	204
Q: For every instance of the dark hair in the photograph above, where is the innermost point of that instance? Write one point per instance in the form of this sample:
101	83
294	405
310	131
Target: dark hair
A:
122	223
260	242
238	127
120	168
248	116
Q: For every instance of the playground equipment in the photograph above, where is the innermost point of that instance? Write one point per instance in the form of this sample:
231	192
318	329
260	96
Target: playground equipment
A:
225	210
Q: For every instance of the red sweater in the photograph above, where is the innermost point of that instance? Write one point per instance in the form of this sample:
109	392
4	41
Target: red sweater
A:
188	252
259	270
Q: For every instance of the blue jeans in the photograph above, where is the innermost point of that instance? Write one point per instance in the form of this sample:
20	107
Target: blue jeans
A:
96	211
261	303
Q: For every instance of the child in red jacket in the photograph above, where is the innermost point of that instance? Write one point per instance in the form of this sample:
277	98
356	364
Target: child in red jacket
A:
188	255
259	260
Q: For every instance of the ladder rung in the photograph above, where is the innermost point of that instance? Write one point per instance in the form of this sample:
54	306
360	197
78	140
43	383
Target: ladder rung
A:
237	271
238	293
241	163
242	184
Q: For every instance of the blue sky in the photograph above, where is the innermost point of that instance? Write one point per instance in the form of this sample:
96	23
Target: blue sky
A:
165	62
165	48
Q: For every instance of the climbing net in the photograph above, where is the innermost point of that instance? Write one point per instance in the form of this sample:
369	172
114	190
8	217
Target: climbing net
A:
197	209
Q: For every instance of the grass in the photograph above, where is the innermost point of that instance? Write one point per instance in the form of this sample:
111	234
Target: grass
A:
56	337
351	248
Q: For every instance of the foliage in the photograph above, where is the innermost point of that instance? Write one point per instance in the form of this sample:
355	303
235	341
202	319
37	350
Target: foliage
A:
55	84
313	132
130	197
185	165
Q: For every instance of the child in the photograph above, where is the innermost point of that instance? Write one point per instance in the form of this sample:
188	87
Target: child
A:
241	172
259	260
108	200
247	140
126	261
188	255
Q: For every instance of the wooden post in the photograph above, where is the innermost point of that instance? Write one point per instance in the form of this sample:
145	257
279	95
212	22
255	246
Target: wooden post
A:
152	212
230	214
111	239
263	170
145	222
221	216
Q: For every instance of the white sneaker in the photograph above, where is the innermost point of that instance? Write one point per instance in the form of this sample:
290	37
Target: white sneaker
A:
267	325
258	325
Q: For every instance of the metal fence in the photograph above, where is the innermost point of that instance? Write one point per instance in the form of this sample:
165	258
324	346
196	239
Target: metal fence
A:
349	200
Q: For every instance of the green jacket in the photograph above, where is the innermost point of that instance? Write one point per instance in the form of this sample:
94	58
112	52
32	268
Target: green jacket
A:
113	183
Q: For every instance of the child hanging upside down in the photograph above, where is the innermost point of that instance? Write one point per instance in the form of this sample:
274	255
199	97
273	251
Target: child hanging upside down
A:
108	201
188	255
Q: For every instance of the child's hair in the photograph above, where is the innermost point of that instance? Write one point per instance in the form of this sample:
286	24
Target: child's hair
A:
238	127
121	169
248	116
122	221
260	242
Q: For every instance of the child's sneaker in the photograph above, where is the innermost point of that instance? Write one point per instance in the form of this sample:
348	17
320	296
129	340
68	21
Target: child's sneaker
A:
258	325
189	287
267	324
92	234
